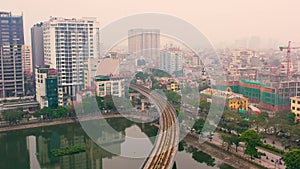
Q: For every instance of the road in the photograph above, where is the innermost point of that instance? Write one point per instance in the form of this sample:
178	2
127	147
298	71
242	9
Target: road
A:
166	144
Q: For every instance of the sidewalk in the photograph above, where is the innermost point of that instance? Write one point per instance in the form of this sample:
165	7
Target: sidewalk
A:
263	161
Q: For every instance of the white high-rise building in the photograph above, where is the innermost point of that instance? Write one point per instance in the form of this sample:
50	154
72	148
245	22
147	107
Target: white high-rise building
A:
170	60
68	43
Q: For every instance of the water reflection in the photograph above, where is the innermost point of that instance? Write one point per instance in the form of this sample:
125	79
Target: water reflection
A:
190	157
31	148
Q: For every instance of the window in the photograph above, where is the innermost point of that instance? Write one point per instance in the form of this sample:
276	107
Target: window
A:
293	108
294	101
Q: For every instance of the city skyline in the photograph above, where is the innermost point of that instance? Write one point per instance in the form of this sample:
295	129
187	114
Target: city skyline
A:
219	21
217	81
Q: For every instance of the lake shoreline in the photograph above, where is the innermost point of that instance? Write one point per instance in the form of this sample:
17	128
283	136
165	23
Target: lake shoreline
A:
207	147
55	122
219	153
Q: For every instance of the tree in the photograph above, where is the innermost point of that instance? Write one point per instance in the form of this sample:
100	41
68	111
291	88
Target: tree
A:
292	159
199	124
260	120
236	142
160	73
282	122
141	75
227	139
204	106
180	146
13	116
243	125
109	103
295	132
173	97
230	120
252	139
62	111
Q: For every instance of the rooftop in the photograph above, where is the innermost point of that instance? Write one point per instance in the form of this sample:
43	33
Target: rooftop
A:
221	93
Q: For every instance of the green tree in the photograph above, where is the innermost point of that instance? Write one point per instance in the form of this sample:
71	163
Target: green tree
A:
160	73
230	120
236	142
227	139
260	120
292	159
46	112
173	97
13	116
295	132
198	125
243	125
62	111
109	103
252	139
204	106
282	122
141	75
180	146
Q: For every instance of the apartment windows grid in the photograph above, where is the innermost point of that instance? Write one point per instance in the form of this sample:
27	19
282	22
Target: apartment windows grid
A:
68	43
11	42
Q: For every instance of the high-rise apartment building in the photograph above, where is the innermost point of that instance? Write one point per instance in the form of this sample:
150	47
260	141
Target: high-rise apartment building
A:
11	42
37	44
144	42
27	59
68	43
170	60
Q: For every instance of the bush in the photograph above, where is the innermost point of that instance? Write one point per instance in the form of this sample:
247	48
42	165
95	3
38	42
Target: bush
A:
272	148
67	151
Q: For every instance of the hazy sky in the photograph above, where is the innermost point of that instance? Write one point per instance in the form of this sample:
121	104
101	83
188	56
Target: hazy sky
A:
219	20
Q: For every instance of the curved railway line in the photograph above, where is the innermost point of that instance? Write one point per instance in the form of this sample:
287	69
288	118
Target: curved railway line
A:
165	148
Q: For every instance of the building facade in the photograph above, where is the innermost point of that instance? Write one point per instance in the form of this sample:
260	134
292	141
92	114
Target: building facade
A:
90	70
295	106
37	45
170	60
109	86
46	87
68	43
234	101
144	42
26	59
11	42
173	85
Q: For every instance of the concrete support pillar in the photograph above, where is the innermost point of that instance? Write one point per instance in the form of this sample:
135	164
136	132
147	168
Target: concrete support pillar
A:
143	105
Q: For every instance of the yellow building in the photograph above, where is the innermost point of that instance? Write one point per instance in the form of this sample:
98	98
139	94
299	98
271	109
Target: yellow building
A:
295	106
172	85
233	100
238	103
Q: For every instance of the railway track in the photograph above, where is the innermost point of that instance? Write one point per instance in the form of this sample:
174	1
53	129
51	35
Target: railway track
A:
165	148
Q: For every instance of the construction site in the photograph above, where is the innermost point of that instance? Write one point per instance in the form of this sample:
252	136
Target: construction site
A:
273	87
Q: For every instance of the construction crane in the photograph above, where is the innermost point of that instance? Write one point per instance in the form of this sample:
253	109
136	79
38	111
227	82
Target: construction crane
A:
288	56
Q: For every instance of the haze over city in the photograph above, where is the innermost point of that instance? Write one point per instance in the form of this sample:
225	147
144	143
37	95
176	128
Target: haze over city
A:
151	85
223	22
